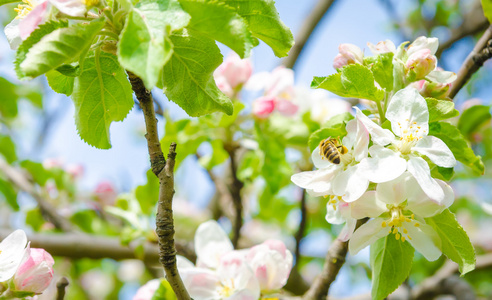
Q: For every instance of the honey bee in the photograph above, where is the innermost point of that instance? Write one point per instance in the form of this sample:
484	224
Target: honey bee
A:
332	149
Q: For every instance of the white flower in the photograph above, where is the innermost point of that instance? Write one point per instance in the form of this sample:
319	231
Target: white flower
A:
211	243
407	205
344	179
409	117
12	250
382	47
348	54
321	105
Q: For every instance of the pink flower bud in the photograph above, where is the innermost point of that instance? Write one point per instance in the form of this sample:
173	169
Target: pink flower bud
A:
271	263
419	64
234	70
35	271
105	192
263	106
348	54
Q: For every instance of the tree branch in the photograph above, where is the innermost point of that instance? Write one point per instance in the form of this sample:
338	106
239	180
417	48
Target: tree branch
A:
300	231
23	183
60	288
235	190
335	258
480	53
307	28
165	172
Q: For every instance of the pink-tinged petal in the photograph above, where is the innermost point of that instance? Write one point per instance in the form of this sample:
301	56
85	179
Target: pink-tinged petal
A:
224	86
347	230
12	33
419	168
211	243
146	291
384	165
408	108
367	234
201	283
444	77
350	184
12	250
395	191
234	70
271	267
317	183
424	239
420	204
286	107
423	42
263	106
74	8
234	269
35	271
367	206
379	135
436	150
281	81
33	19
276	245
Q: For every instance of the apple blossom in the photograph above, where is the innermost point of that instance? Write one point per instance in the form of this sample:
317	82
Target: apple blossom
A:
233	73
420	64
320	103
348	54
12	250
35	271
382	47
146	291
409	117
211	243
271	263
432	89
263	106
406	206
343	179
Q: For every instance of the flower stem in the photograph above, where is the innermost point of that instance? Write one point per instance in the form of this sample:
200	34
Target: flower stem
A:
382	117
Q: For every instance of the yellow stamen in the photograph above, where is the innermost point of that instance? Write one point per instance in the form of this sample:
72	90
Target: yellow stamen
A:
383	224
397	236
402	238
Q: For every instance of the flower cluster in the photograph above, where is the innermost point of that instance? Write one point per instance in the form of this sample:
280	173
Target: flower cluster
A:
224	273
384	172
24	271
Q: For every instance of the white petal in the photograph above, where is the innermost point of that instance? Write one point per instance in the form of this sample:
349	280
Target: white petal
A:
361	142
436	150
347	230
211	243
444	77
183	263
422	205
282	79
234	269
424	239
379	135
317	183
408	108
258	81
367	206
395	191
333	215
367	234
349	140
319	161
419	168
423	42
74	8
13	34
384	165
12	250
350	184
200	283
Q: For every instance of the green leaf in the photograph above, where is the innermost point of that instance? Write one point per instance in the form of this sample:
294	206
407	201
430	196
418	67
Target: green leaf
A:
334	127
56	48
391	261
69	70
35	219
218	155
8	103
7	148
148	194
456	244
353	81
382	69
220	22
60	83
144	46
34	38
101	94
472	118
188	79
487	9
456	142
164	291
2	2
338	120
9	194
264	23
440	109
39	174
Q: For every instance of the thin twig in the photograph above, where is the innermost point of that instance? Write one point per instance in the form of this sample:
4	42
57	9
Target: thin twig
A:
335	258
23	183
60	288
307	28
302	227
473	62
235	190
165	172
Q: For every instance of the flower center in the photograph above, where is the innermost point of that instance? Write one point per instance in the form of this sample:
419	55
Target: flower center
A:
334	200
410	134
90	3
227	288
23	9
397	223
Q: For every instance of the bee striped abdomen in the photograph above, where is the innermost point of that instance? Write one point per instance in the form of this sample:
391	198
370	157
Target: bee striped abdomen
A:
328	149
